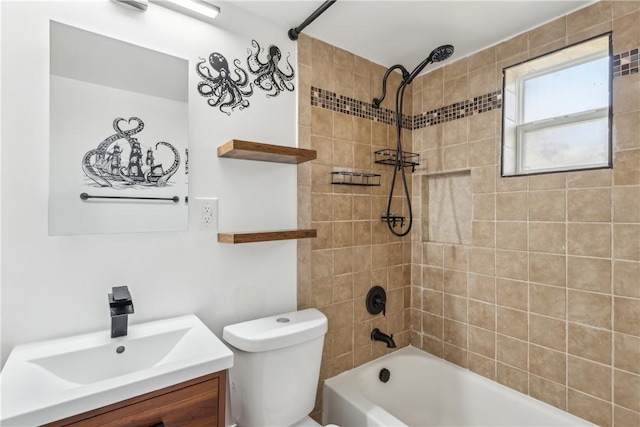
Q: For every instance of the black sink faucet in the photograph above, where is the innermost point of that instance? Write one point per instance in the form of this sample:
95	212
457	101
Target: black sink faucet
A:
378	335
120	305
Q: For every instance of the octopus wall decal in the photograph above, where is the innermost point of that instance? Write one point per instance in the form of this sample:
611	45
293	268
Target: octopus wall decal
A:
270	77
230	92
224	91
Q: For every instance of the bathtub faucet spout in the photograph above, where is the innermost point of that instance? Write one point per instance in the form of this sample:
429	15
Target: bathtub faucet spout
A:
378	335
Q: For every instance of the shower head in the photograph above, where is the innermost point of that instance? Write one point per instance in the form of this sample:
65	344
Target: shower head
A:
441	53
437	55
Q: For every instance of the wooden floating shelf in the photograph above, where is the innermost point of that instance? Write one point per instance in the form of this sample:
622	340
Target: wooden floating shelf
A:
247	150
266	236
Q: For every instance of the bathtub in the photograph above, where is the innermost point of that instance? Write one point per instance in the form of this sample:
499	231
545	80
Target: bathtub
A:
424	390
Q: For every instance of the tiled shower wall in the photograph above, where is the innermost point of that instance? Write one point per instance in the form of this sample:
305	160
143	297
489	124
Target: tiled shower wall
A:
353	250
546	297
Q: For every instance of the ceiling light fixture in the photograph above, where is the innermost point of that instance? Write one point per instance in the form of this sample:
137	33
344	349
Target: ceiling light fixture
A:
199	9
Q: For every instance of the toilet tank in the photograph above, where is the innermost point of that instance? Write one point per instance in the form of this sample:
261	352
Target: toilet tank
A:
274	378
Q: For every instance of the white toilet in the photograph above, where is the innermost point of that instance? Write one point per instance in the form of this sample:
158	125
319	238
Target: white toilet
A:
276	367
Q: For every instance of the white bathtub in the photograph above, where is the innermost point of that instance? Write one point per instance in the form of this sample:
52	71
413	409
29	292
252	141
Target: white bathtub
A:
424	390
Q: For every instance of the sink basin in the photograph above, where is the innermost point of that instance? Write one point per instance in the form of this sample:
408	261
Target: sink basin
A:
51	380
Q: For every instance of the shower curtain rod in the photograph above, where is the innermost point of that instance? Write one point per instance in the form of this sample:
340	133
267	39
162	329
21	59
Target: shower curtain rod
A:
295	32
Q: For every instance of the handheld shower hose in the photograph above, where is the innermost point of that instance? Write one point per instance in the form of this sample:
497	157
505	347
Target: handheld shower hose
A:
438	54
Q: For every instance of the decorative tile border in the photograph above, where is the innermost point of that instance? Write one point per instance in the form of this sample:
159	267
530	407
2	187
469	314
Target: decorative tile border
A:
343	104
459	110
625	63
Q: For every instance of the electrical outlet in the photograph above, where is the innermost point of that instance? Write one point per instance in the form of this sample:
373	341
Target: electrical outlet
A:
208	212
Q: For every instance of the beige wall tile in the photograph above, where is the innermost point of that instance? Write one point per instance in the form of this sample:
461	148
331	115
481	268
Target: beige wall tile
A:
456	90
626	241
626	203
512	47
547	269
548	391
511	206
482	59
512	235
589	274
321	122
512	351
589	205
456	69
626	278
589	308
591	409
455	355
621	8
512	378
456	258
483	81
483	126
455	132
483	179
623	416
482	342
590	178
589	16
455	333
455	282
483	234
547	205
484	206
626	390
482	153
482	315
626	127
432	302
482	261
547	237
589	343
546	363
589	377
512	294
589	239
512	264
455	307
482	288
455	157
626	93
512	323
481	365
626	315
627	32
548	332
547	33
627	352
547	300
625	167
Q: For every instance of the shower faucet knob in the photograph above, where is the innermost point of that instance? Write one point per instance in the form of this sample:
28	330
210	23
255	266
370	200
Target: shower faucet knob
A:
377	301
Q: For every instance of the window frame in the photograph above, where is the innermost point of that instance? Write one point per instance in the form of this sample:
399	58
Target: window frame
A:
518	128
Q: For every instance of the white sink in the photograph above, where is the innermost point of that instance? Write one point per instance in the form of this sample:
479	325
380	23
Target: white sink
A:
51	380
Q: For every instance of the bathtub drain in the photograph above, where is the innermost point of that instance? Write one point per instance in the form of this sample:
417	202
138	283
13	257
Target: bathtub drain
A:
384	375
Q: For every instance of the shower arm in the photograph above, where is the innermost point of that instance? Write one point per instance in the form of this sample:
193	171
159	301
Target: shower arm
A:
405	75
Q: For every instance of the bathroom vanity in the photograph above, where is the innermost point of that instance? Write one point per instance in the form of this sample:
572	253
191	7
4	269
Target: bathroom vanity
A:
169	372
195	403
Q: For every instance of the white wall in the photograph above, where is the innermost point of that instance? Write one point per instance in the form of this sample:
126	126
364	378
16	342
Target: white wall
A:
57	286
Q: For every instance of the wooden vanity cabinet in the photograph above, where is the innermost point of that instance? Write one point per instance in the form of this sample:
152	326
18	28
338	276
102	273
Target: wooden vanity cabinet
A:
195	403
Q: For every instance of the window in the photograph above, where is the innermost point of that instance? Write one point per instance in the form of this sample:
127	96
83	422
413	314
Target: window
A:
557	111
